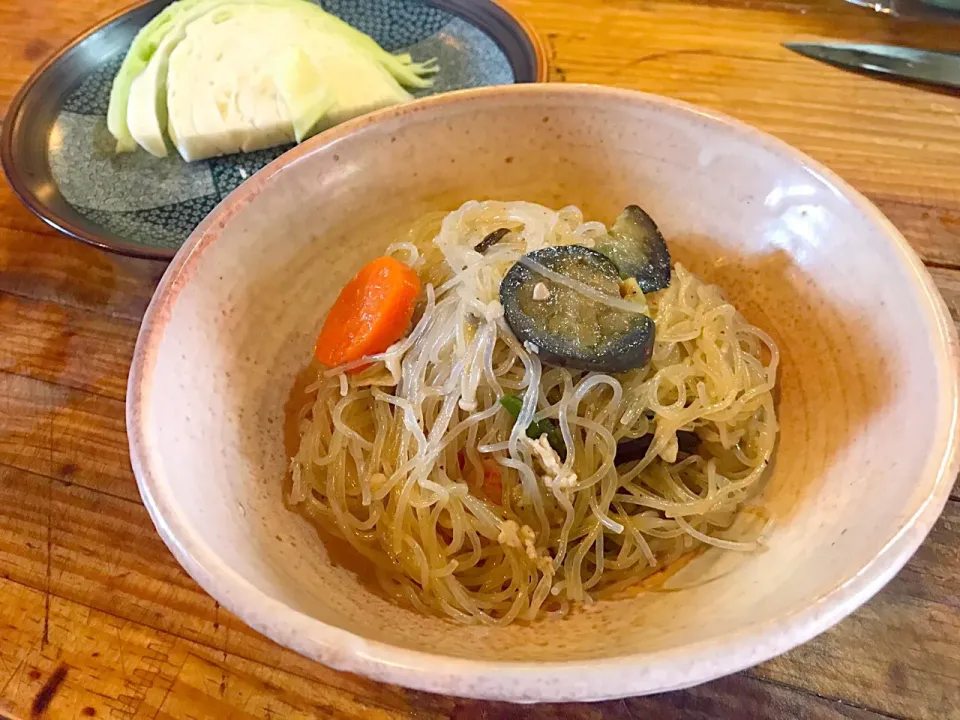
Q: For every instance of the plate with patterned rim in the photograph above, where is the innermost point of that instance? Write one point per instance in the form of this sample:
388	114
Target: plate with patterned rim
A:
59	156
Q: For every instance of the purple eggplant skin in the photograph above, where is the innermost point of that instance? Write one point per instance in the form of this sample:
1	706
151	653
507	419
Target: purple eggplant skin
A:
636	448
567	328
635	245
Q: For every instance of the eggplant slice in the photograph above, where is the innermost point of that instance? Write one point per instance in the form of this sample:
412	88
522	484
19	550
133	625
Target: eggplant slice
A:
566	327
636	449
637	248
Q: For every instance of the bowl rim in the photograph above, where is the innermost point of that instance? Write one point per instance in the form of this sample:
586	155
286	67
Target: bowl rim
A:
523	681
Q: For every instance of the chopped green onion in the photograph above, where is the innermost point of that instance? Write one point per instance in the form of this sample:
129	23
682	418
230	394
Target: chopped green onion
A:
538	428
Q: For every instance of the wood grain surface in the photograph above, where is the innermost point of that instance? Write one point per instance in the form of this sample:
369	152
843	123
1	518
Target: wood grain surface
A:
98	620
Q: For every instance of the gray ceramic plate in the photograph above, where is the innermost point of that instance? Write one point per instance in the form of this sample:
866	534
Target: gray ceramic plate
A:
59	158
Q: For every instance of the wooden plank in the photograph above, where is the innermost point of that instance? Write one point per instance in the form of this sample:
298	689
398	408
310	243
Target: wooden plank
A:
105	666
899	653
105	554
94	664
37	262
948	282
933	574
897	144
41	28
21	630
65	433
934	232
738	696
25	506
66	345
866	130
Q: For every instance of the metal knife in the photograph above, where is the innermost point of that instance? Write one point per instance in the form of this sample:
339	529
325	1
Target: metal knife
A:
924	66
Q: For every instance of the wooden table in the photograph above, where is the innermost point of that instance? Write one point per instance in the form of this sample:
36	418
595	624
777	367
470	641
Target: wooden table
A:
98	620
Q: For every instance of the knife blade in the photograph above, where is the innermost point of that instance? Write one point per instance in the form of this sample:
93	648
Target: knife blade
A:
924	66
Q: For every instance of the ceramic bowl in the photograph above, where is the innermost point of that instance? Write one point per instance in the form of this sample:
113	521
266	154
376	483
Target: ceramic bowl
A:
868	393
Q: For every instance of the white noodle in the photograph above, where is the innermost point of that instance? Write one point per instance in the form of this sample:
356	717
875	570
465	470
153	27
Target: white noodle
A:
414	462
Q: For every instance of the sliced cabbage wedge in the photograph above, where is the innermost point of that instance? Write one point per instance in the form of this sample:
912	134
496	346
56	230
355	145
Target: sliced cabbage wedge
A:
147	102
322	71
145	43
222	97
248	76
301	87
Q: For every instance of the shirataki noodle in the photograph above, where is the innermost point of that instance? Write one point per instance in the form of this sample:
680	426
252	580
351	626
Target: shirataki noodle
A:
393	459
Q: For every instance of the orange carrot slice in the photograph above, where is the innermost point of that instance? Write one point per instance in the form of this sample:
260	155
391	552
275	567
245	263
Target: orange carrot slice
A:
372	312
492	481
490	484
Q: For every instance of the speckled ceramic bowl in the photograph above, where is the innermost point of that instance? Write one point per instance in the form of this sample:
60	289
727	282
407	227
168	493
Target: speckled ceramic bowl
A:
868	394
